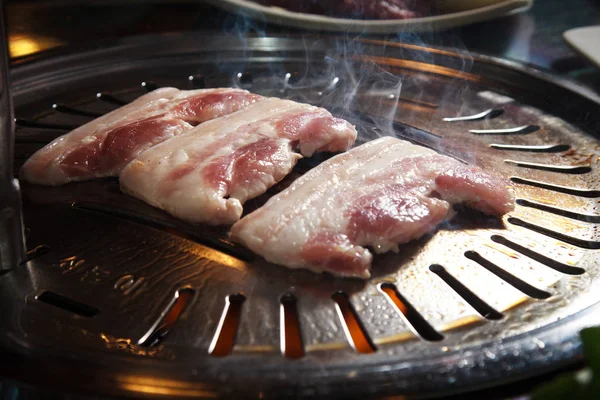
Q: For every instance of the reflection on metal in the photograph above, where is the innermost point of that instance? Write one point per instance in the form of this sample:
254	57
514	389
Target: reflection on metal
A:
487	114
166	387
21	45
12	241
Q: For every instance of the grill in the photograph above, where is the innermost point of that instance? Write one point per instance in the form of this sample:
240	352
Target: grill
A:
124	300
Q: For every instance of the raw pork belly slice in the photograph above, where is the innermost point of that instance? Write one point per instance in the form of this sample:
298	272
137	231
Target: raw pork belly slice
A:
105	145
380	194
208	173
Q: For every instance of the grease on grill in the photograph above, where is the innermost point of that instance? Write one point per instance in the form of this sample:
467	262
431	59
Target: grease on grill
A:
555	265
509	278
353	328
409	314
67	304
289	328
477	303
224	337
168	318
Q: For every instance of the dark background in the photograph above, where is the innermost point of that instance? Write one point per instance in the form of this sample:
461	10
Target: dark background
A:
534	37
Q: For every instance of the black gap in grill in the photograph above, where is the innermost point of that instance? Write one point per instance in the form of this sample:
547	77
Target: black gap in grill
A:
557	188
197	81
559	211
289	328
487	114
584	244
29	123
551	148
475	301
409	314
62	108
520	130
109	98
509	278
67	304
226	332
168	318
563	169
353	328
149	86
555	265
36	252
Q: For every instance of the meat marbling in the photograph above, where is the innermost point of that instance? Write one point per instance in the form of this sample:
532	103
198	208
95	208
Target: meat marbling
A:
381	194
207	174
105	145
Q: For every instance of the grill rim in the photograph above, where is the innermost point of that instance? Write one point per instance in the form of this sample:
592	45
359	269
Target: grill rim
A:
396	371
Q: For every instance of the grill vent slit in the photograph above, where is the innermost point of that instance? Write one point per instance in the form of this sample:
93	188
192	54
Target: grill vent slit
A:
584	244
197	81
409	314
565	169
289	328
520	130
168	318
149	86
559	211
67	304
557	188
353	328
555	265
29	123
62	108
550	148
226	332
509	278
36	252
475	301
487	114
109	98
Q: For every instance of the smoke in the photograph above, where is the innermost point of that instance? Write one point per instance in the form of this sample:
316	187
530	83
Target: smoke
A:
355	75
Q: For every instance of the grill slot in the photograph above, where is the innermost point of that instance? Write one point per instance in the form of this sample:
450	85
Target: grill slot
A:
509	278
565	169
37	251
109	98
558	266
559	211
487	114
549	148
353	328
557	188
224	338
28	123
62	108
169	317
477	303
520	130
197	81
409	314
149	86
289	328
67	304
584	244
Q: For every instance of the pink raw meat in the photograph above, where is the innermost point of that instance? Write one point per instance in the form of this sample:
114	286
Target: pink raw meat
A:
381	194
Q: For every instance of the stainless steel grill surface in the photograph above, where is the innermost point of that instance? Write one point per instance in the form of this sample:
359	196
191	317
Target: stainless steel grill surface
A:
118	298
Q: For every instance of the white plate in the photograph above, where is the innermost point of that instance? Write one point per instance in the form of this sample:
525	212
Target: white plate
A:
586	41
471	11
